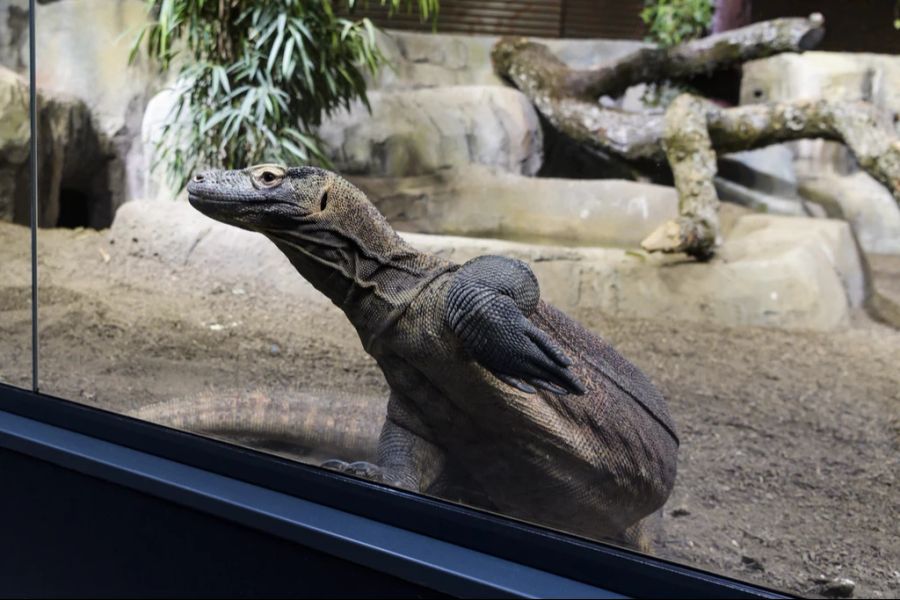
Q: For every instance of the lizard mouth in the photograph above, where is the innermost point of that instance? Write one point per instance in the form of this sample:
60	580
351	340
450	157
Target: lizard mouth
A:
208	204
200	199
253	213
226	209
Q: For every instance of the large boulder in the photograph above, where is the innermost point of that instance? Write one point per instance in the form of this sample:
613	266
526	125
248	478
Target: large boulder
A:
83	48
847	76
834	75
423	60
884	302
75	163
769	170
771	271
479	201
422	131
869	208
15	137
437	61
14	34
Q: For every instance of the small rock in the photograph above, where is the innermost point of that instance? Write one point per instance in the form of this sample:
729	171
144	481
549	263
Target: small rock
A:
274	350
839	587
751	563
216	327
680	512
238	291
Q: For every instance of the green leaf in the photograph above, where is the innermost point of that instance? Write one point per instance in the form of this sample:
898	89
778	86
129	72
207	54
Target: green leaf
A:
293	149
215	120
276	47
287	61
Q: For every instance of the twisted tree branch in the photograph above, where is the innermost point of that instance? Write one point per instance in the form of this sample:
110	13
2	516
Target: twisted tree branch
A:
686	136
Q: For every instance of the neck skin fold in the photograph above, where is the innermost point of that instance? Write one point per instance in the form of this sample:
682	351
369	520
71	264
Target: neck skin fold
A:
372	281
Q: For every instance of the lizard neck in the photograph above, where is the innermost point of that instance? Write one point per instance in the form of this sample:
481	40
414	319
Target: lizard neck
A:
371	275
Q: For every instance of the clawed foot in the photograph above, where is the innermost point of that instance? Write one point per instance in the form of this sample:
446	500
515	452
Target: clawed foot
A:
514	349
360	468
487	307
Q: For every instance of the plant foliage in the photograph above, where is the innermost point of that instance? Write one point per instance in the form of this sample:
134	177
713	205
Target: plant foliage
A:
254	79
671	22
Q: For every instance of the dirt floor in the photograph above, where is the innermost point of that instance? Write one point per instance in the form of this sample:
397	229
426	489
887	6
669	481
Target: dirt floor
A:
790	455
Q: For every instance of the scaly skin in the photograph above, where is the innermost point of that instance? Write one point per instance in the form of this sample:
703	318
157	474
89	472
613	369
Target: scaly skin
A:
498	399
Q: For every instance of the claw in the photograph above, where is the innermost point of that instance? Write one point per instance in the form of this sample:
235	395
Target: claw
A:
359	468
551	387
335	465
516	383
547	345
365	469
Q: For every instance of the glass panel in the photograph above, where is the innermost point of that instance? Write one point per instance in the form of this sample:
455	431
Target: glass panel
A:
767	333
15	193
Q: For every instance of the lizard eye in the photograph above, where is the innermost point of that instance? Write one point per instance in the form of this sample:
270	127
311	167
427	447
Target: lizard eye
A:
268	176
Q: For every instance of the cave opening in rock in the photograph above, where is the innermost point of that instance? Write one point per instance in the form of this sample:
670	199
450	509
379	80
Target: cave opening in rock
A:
74	209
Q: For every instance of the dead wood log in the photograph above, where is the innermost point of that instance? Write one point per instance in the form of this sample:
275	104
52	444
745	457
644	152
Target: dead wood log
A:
689	150
868	131
679	62
694	126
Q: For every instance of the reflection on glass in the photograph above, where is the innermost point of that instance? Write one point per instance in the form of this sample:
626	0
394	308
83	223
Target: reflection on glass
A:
15	190
769	326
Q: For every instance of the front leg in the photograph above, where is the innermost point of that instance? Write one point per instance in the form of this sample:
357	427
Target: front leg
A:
487	307
405	460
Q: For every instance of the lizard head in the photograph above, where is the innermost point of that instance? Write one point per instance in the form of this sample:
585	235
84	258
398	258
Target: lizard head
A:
304	210
263	198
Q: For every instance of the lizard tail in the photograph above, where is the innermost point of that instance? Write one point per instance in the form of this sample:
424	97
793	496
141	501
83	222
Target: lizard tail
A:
312	426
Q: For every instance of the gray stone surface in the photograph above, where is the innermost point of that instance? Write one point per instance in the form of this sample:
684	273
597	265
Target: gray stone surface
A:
758	238
155	184
83	50
869	208
884	303
416	132
479	201
834	75
74	159
772	271
15	136
14	34
769	170
431	60
729	191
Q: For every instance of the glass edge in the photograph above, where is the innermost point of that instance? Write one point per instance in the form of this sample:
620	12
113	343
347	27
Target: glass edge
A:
33	191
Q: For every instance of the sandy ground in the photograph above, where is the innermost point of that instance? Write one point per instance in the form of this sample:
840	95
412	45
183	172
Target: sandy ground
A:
789	461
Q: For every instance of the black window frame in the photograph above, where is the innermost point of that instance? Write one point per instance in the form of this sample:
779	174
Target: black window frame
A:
128	452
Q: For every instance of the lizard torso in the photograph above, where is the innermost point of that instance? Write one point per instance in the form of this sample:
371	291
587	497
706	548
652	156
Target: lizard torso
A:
593	464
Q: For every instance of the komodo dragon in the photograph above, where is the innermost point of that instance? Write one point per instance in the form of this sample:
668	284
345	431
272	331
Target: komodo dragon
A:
497	399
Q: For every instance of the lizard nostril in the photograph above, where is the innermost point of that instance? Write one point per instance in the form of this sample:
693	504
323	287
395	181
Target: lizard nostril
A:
199	177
